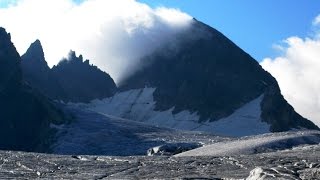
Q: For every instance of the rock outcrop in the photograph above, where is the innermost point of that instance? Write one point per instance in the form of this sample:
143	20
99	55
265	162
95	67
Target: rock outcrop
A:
72	80
80	81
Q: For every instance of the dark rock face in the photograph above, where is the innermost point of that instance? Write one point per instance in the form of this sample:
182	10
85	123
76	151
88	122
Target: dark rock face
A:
10	74
35	57
25	115
37	72
72	79
209	74
82	82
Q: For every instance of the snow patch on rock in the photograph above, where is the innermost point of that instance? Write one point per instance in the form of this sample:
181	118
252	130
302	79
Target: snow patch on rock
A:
139	105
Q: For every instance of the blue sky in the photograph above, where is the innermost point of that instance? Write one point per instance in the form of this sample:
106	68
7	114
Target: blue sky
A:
255	25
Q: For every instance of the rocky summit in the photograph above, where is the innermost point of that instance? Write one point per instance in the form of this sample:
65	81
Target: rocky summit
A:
80	81
72	80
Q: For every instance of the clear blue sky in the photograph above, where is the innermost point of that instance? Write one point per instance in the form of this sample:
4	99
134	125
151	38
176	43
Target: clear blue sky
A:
255	25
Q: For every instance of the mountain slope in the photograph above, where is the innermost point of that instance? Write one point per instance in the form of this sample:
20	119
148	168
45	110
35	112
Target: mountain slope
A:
25	115
207	74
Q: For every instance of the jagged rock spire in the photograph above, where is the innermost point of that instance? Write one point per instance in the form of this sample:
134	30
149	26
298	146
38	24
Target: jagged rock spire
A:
35	55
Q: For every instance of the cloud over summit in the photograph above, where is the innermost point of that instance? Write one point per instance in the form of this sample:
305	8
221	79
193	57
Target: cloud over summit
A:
113	34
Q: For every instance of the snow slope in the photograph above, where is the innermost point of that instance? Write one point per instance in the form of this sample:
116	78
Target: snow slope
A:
139	105
256	144
91	133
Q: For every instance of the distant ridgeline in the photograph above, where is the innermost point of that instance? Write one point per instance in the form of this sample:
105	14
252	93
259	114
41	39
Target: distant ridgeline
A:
200	71
72	80
25	114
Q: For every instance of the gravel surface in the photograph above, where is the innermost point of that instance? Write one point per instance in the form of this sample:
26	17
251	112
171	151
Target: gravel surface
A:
298	163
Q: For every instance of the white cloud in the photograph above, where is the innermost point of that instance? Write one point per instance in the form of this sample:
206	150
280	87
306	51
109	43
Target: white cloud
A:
297	71
113	34
316	21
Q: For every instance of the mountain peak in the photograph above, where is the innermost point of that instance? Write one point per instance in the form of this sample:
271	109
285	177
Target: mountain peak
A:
37	42
210	75
71	58
35	56
72	55
5	43
3	33
37	45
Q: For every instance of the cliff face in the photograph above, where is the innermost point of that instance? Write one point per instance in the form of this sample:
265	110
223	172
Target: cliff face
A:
209	74
25	115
